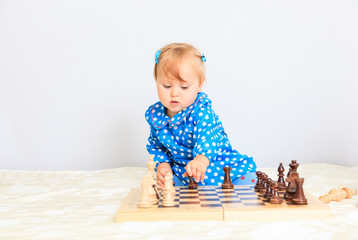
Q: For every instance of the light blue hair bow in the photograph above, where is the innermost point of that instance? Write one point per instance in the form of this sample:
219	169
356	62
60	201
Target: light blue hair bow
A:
157	54
203	58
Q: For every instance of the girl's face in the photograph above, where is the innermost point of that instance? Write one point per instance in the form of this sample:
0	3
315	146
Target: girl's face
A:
176	95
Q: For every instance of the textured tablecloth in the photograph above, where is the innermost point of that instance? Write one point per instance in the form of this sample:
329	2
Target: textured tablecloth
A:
83	204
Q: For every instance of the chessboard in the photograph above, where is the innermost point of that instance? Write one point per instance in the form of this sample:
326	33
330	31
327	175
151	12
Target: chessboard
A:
213	203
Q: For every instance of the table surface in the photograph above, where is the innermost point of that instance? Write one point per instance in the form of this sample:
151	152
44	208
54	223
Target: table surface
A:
83	204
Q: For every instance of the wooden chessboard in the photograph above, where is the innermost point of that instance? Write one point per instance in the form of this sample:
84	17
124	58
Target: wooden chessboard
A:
213	203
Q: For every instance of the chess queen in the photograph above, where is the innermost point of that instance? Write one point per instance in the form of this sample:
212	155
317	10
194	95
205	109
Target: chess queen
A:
186	136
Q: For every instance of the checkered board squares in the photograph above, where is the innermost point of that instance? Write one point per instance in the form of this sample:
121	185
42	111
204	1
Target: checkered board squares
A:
255	207
195	198
213	203
214	197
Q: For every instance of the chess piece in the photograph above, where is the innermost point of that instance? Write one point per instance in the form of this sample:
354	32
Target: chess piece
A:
299	197
281	179
269	189
192	184
275	198
294	165
264	184
168	193
338	194
153	194
258	182
145	199
152	190
291	187
227	184
151	165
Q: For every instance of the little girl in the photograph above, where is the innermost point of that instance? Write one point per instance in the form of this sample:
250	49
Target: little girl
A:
186	135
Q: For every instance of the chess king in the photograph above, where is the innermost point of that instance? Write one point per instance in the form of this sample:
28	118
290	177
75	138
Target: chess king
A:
186	137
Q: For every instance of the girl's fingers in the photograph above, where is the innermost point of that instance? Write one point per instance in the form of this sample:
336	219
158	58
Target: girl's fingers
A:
197	175
202	176
189	171
160	179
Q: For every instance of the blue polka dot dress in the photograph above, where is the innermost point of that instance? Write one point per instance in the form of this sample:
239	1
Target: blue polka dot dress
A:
194	131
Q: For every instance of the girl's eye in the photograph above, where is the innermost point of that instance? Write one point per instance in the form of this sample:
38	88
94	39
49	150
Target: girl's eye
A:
166	86
186	87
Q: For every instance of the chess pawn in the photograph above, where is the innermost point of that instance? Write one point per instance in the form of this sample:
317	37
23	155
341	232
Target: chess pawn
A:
269	192
299	198
275	198
145	199
192	184
258	182
264	184
268	189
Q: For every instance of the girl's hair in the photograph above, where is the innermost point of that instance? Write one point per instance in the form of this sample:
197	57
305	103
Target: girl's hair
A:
172	56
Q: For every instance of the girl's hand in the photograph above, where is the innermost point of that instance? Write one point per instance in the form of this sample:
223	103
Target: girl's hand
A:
196	168
162	170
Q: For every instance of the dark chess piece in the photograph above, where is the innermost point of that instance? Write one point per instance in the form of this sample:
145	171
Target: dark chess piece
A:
192	183
294	165
270	193
299	197
275	198
227	184
258	182
281	179
264	184
292	187
291	178
268	189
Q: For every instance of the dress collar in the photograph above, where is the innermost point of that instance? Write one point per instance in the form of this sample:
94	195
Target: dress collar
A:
159	118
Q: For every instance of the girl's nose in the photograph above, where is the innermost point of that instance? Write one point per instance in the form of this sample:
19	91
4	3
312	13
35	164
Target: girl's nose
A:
174	92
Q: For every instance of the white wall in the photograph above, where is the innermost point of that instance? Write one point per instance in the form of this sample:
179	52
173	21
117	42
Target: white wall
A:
76	78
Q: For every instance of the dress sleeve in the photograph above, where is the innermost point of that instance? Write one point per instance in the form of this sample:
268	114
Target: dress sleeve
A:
154	147
207	133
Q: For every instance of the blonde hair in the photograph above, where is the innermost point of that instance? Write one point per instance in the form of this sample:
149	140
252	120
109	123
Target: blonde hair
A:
171	59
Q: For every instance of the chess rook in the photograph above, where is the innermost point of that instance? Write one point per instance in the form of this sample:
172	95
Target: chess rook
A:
227	184
299	198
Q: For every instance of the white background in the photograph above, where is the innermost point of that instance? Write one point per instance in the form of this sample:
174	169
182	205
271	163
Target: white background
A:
76	78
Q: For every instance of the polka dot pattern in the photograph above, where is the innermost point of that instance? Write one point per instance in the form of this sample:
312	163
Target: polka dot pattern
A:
196	130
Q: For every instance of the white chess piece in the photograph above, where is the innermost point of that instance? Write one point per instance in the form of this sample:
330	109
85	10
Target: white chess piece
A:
168	193
145	199
152	192
151	165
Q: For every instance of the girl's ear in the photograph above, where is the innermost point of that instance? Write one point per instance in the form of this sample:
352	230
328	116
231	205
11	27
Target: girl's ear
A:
202	83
